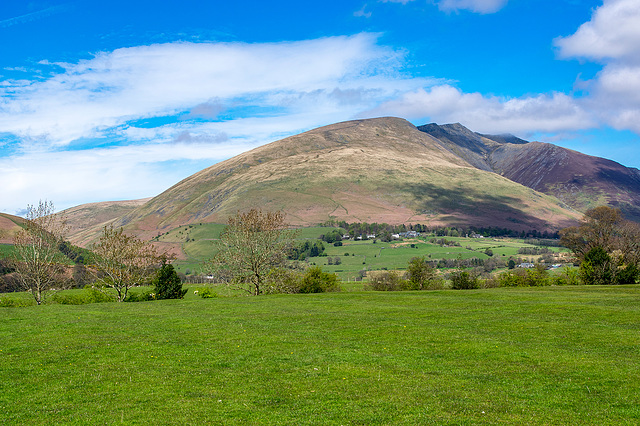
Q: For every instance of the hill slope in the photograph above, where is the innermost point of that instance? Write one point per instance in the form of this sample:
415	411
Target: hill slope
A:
376	170
580	181
87	220
9	225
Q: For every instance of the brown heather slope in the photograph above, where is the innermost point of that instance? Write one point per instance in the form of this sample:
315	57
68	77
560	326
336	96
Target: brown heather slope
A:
578	180
8	227
87	220
376	170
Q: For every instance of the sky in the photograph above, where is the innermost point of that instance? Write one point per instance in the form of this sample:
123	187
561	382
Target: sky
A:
119	100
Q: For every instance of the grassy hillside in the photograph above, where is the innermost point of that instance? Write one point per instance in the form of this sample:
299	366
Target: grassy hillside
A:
87	220
564	355
378	170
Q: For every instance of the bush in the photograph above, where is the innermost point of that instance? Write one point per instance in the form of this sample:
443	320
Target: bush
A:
207	293
88	295
69	299
144	296
464	280
535	277
9	302
316	281
168	284
597	268
282	280
386	281
422	276
568	276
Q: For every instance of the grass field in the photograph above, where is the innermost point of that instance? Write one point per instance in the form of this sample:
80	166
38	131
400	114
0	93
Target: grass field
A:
198	245
553	355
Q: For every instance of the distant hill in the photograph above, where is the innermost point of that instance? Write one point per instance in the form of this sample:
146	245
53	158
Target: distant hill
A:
87	220
376	170
9	225
580	181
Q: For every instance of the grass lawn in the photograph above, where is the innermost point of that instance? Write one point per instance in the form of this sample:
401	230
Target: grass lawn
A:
554	355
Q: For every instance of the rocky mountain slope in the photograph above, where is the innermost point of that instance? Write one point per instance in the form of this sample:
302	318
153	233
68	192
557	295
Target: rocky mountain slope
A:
578	180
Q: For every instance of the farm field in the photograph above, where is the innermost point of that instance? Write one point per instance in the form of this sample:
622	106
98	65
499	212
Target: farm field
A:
551	355
198	245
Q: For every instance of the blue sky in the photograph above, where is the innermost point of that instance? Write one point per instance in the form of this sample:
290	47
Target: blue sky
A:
122	99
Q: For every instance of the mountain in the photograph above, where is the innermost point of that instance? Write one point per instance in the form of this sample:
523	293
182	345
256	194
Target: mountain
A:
578	180
87	220
375	170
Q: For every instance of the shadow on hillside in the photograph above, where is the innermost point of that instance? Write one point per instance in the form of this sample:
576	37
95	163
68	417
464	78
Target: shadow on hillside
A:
478	208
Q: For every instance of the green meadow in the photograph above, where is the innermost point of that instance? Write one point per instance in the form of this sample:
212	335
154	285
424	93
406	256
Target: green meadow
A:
538	356
198	246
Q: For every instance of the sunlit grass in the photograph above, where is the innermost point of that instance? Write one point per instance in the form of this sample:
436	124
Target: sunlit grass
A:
563	355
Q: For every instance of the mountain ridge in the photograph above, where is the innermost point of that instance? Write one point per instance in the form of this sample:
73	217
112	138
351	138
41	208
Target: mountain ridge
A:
580	181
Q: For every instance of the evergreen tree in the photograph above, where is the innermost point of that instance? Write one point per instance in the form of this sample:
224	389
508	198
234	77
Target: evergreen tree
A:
168	283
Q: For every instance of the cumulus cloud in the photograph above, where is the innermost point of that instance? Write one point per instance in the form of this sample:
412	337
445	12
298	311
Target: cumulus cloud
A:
612	36
612	33
490	114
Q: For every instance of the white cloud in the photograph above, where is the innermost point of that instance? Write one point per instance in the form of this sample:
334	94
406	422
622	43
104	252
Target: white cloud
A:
612	33
148	81
490	114
477	6
612	36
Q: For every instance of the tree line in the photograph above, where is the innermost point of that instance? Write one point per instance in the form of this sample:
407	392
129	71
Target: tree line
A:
117	261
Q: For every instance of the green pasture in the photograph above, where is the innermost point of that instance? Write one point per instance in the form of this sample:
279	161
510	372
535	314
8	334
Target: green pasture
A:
198	243
533	356
6	250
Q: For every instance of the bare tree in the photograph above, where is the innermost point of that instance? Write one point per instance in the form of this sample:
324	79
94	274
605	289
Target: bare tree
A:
124	261
253	244
37	259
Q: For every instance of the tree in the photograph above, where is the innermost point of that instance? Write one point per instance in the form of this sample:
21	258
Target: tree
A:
252	244
420	274
606	245
37	260
123	261
317	281
168	284
596	267
599	228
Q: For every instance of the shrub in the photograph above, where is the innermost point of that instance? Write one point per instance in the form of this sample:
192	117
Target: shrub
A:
282	280
535	277
144	296
597	268
386	281
422	276
168	284
207	293
69	299
568	276
464	280
8	302
628	274
316	281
